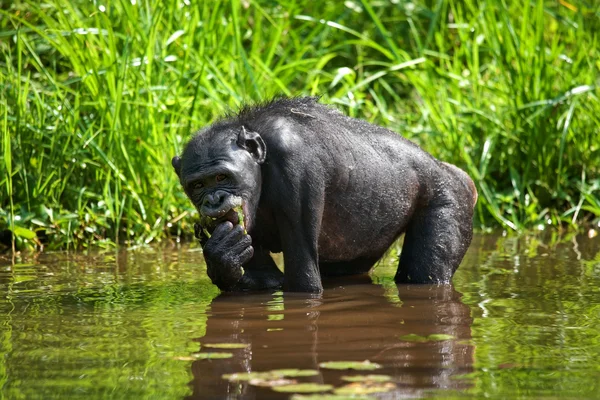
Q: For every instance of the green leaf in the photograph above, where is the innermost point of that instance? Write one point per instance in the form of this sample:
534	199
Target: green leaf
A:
270	375
24	233
330	397
431	338
440	336
367	378
358	365
365	388
303	388
211	356
295	373
226	345
272	382
246	376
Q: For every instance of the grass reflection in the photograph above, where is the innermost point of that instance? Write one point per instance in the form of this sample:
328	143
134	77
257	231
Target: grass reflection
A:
523	322
102	332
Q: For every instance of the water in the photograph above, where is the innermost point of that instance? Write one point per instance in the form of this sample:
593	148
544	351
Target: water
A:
522	320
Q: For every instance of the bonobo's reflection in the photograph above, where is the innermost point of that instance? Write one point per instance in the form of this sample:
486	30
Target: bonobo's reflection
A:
355	322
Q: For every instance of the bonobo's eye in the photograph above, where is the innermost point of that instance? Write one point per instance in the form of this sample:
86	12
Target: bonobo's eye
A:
220	177
197	186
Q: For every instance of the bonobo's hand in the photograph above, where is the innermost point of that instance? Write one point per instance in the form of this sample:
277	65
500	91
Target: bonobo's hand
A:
225	252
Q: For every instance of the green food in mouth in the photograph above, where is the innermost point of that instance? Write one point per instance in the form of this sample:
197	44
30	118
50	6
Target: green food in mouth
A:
206	221
240	214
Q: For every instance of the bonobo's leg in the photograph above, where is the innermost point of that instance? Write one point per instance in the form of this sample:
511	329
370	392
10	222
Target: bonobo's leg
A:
438	237
434	245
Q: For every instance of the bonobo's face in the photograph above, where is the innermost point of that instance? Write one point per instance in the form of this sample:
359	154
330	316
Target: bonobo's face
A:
220	172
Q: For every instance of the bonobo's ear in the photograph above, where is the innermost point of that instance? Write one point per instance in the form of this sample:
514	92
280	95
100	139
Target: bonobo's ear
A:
253	143
176	163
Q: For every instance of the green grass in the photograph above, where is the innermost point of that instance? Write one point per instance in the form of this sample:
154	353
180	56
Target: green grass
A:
96	97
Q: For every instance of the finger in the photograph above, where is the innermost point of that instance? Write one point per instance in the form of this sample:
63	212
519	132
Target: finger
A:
221	231
241	244
234	236
246	255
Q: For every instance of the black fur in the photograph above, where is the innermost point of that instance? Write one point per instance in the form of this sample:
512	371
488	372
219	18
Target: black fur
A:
331	192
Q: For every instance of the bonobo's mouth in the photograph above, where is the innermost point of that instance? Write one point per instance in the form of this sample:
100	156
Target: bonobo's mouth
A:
231	216
236	215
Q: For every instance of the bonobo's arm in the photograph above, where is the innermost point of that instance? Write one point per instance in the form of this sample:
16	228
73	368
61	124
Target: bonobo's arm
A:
299	203
227	250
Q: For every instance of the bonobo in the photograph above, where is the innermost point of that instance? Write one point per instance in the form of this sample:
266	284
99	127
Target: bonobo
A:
330	191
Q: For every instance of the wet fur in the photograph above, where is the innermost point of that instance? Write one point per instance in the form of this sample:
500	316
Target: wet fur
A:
336	192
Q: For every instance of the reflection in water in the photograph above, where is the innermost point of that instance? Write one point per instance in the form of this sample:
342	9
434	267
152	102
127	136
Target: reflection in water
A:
124	325
351	322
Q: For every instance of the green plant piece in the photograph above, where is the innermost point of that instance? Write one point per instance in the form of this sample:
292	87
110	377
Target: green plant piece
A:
365	388
211	356
246	376
270	375
357	365
330	397
226	345
303	388
295	373
412	337
367	378
272	382
240	212
440	336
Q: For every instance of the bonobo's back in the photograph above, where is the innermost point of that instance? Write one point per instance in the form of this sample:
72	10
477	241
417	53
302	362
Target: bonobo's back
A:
325	128
330	191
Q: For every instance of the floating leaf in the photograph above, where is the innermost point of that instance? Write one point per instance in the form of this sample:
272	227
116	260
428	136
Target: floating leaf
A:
303	388
295	373
330	397
431	338
367	378
358	365
246	376
440	336
270	375
365	388
272	382
210	356
413	337
226	345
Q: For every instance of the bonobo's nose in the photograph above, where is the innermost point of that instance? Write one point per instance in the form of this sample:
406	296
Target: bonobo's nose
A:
214	199
214	204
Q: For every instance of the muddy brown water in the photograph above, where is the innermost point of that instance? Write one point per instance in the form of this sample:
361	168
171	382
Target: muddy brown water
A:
521	320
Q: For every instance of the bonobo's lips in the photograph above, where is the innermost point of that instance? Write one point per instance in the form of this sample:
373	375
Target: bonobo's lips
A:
231	216
210	222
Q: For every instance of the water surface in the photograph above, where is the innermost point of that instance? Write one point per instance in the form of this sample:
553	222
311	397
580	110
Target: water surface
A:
521	320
